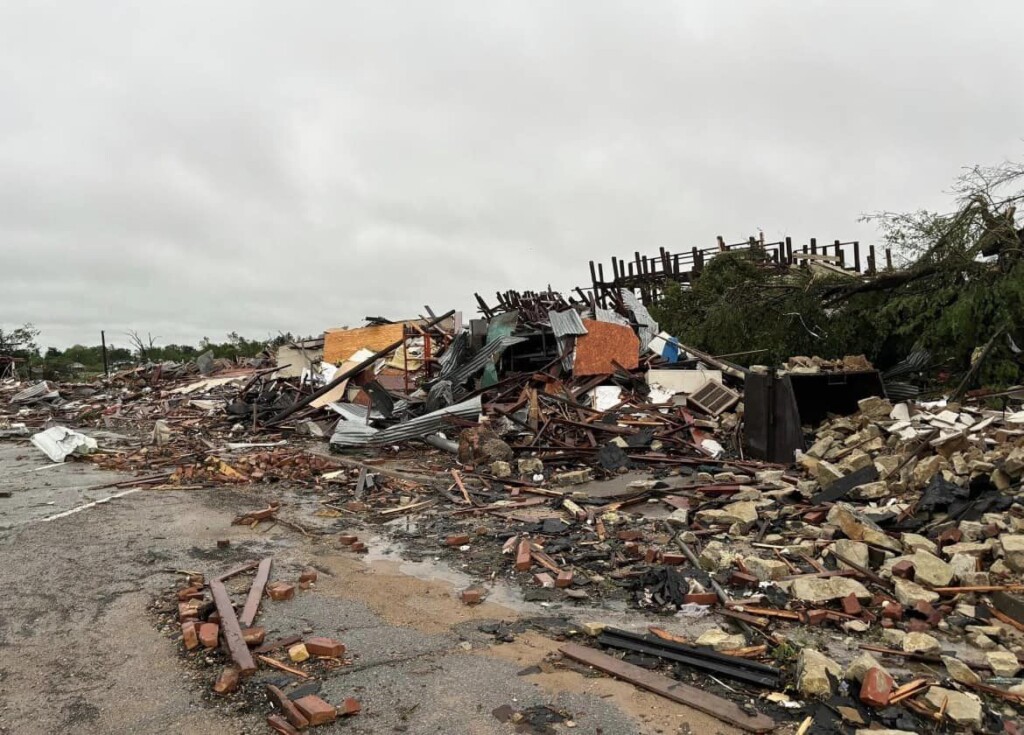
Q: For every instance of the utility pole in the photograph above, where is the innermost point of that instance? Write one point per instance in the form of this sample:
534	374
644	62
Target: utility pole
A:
103	340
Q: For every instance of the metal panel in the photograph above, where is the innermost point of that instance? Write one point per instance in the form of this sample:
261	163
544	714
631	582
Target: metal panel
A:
487	355
648	325
567	325
345	434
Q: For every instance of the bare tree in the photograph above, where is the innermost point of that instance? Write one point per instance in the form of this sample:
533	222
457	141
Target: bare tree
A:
140	345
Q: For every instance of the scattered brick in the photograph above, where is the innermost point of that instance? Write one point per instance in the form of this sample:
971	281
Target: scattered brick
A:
916	625
630	535
308	575
327	647
816	617
350	706
190	593
634	549
227	682
672	559
347	540
253	636
188	610
214	617
279	591
280	725
815	517
359	547
743	579
903	569
851	605
893	611
564	579
876	688
189	635
459	540
544	580
523	558
472	596
950	536
651	555
291	712
701	598
208	634
223	543
316	710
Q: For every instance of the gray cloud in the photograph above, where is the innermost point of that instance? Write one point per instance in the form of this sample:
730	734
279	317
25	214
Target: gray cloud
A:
194	168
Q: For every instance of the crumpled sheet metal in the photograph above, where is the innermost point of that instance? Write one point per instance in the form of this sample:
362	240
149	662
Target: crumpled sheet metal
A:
566	325
42	391
487	355
59	442
648	324
346	433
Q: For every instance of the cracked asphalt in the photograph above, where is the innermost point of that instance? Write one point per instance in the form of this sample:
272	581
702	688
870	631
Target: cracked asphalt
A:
85	648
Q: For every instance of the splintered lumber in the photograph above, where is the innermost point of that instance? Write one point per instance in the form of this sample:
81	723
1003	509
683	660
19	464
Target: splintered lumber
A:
705	702
231	630
291	712
236	571
273	662
252	602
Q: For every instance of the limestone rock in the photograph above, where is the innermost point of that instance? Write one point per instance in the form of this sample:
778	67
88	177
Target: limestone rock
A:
501	469
480	444
721	641
743	512
916	542
870	491
959	671
860	666
893	637
926	469
909	594
1003	663
813	670
962	709
928	569
855	551
818	590
716	556
1013	551
766	570
921	643
858	528
530	466
963	565
875	408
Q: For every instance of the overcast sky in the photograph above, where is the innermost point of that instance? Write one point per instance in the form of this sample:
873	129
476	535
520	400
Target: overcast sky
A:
191	168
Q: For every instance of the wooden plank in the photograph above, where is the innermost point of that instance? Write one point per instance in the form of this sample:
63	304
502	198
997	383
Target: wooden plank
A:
273	662
236	571
710	704
252	602
231	630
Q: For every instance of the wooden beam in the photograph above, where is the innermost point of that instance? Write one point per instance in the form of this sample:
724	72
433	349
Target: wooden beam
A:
710	704
252	602
231	630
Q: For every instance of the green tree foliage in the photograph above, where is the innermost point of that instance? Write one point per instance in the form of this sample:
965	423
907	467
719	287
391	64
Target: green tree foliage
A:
960	281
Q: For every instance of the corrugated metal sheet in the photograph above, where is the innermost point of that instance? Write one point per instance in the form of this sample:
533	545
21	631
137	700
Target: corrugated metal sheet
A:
487	355
431	423
454	355
566	325
648	324
610	316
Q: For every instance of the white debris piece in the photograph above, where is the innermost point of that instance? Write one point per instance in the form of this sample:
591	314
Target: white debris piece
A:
59	441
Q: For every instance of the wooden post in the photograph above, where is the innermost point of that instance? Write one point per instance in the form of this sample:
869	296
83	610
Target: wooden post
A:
841	254
789	251
888	259
814	246
871	260
856	255
103	341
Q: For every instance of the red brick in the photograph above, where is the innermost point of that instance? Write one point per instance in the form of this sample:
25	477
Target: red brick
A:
877	688
817	617
904	569
350	706
634	549
949	536
316	710
472	596
253	636
227	682
990	531
308	575
742	579
651	555
458	540
523	559
280	725
359	547
196	580
190	593
187	611
672	559
189	635
281	591
564	578
893	611
347	540
291	712
214	617
916	625
325	647
700	598
509	545
544	580
851	605
632	535
223	543
815	517
208	634
887	623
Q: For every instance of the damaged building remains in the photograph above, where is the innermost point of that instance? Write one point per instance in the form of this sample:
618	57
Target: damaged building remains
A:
811	542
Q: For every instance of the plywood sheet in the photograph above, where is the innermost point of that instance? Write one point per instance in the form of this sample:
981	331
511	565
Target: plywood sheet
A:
601	345
341	344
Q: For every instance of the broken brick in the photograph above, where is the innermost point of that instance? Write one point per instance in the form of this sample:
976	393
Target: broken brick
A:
459	540
472	596
742	579
188	610
347	540
358	547
208	634
227	682
564	579
279	591
634	549
672	559
280	725
291	712
544	580
326	647
876	688
189	635
631	535
700	598
253	636
298	653
815	517
851	605
651	555
308	575
524	560
816	617
950	536
892	611
190	593
316	710
350	706
903	569
223	543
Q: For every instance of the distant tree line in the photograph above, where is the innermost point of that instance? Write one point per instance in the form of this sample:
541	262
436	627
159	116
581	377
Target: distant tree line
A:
81	361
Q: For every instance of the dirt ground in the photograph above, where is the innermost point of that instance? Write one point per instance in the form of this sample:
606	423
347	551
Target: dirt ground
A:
85	646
